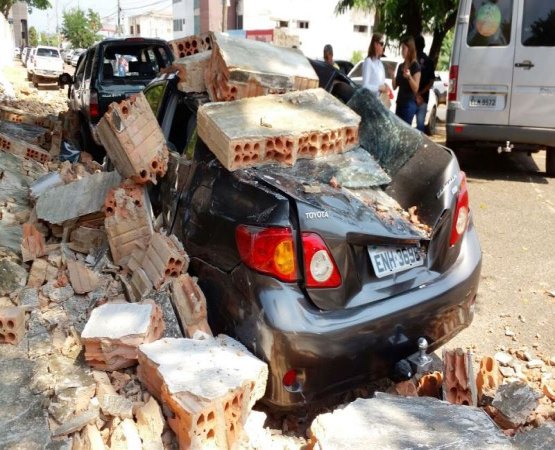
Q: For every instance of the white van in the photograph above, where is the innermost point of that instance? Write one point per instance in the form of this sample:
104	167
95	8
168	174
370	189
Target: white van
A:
502	76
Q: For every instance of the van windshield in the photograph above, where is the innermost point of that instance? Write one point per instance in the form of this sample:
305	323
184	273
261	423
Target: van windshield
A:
490	23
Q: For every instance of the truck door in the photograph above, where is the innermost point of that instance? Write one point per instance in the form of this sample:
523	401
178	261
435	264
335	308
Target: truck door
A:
533	102
485	64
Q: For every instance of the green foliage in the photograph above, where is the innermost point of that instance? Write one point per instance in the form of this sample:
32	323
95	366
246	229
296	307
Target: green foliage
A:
445	53
5	5
80	29
49	39
357	56
395	18
33	37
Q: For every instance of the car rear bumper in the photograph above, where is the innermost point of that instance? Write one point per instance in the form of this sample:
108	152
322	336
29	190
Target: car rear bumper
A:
49	75
461	133
337	350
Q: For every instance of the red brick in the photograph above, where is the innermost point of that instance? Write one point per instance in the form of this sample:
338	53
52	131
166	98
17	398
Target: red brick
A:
82	279
190	304
33	244
164	258
12	325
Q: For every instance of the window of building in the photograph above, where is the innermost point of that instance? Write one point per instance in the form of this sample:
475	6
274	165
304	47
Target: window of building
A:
282	24
302	24
197	24
138	29
239	21
360	28
131	30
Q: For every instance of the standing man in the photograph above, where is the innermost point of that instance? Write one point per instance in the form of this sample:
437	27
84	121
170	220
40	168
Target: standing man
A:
328	56
427	76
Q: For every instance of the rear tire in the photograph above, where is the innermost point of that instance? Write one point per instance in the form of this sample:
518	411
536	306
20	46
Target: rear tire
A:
88	144
550	162
430	128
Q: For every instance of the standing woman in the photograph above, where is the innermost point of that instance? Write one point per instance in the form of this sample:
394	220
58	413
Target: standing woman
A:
373	73
407	80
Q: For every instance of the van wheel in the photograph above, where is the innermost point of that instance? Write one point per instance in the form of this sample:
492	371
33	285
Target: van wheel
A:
550	162
430	128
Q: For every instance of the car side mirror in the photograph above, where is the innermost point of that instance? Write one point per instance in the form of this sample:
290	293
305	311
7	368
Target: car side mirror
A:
65	78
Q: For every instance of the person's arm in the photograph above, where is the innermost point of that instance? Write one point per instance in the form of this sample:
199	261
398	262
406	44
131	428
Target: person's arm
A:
413	79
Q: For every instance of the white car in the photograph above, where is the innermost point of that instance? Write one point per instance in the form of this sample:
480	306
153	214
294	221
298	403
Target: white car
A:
390	66
31	63
47	65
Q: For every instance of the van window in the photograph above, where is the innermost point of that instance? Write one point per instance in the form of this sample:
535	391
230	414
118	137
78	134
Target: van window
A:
490	23
538	24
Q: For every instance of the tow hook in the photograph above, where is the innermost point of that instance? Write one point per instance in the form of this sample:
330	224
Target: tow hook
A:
421	361
507	149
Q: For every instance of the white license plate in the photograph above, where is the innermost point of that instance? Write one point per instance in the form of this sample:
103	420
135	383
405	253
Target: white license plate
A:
390	260
482	101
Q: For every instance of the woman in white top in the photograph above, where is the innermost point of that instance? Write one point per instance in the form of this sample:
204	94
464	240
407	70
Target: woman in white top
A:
373	73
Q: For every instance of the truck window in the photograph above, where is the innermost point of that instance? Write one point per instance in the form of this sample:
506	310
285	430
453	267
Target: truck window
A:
490	23
538	24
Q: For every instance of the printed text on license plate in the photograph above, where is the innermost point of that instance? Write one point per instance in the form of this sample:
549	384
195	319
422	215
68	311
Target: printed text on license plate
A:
389	260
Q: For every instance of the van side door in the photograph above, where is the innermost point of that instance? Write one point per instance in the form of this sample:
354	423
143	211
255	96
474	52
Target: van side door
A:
533	102
487	33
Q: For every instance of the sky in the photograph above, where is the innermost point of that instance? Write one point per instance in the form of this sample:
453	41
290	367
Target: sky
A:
46	20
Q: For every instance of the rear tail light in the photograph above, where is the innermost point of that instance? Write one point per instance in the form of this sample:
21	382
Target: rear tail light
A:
268	250
94	111
453	80
462	212
320	268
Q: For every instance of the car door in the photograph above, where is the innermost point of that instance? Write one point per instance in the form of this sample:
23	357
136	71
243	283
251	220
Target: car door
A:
76	89
485	67
534	65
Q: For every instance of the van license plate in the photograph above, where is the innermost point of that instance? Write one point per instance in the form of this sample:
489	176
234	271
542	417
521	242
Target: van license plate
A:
482	101
390	260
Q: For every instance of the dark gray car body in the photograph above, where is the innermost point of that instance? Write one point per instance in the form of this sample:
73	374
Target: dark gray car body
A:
335	338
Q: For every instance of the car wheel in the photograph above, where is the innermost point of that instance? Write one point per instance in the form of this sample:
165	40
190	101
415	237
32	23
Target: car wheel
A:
550	162
430	128
88	145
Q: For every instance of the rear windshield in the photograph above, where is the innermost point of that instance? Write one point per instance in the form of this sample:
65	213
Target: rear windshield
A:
134	61
490	23
52	52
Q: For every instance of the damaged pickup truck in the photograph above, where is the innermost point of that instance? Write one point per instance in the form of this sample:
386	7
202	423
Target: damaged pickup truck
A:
330	270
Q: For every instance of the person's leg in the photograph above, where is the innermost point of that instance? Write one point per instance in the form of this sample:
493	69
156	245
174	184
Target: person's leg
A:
421	116
406	111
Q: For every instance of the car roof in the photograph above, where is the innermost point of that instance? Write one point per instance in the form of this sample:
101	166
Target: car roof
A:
48	47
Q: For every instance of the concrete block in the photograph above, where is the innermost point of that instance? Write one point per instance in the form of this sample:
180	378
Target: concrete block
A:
514	402
394	422
277	128
203	414
76	199
241	68
150	423
193	69
133	140
12	325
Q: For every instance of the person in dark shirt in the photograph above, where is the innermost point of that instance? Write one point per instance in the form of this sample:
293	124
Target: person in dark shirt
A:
427	75
407	80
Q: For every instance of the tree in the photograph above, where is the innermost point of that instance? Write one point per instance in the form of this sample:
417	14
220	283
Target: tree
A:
399	17
33	37
5	5
49	39
81	29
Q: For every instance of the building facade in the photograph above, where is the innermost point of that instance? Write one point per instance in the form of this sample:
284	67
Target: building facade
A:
18	18
314	22
151	24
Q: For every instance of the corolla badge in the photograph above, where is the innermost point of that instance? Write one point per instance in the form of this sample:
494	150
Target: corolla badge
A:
317	215
448	183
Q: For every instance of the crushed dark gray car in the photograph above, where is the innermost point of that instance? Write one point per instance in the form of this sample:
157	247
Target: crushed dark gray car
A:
330	270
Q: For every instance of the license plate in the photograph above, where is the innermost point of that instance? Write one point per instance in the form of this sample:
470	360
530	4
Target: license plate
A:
482	101
390	260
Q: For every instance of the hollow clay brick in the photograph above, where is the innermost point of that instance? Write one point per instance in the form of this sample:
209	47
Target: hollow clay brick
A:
458	382
133	140
190	304
82	279
22	148
277	128
488	377
190	45
204	415
12	325
32	244
164	258
430	385
191	71
19	116
114	332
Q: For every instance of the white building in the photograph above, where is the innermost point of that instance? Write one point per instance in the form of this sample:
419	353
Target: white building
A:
151	24
313	21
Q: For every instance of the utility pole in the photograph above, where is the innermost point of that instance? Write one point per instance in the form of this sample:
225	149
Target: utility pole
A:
118	30
224	15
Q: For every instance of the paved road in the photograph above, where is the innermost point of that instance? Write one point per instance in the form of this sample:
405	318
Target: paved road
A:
513	205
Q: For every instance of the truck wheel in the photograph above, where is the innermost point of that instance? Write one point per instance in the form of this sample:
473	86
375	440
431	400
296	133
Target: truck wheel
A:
88	145
430	128
550	162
